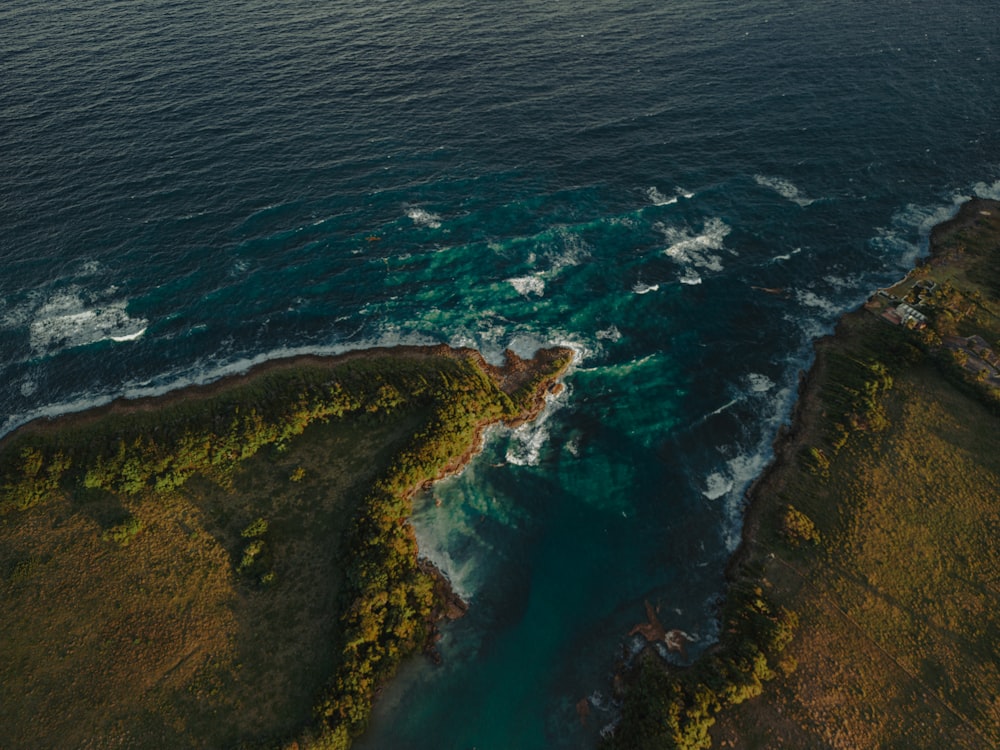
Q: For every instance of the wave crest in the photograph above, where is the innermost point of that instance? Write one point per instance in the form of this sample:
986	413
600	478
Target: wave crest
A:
65	321
528	285
784	188
424	218
659	199
697	250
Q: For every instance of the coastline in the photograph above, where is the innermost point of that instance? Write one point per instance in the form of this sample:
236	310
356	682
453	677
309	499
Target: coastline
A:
819	555
749	569
189	470
791	435
124	405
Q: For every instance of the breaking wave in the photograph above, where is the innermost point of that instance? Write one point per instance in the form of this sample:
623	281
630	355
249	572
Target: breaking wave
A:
65	320
759	383
784	188
717	485
659	199
611	333
641	287
526	442
424	218
528	285
697	250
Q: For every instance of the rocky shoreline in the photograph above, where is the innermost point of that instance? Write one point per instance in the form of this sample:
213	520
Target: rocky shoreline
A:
812	573
191	469
509	376
792	435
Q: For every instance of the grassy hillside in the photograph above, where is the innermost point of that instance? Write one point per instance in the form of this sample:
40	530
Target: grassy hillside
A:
876	530
231	565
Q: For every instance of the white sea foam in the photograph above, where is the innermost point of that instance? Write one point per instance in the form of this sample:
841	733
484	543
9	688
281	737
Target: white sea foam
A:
759	383
201	373
697	250
725	407
488	333
445	536
17	316
525	344
787	256
572	446
424	218
690	279
659	199
717	485
621	368
28	386
572	250
982	190
640	287
906	239
743	469
728	483
610	333
842	283
817	323
528	285
812	327
784	188
65	320
526	442
90	268
129	336
755	383
811	299
493	340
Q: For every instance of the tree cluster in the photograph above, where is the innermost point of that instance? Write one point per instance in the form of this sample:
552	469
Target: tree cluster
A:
673	709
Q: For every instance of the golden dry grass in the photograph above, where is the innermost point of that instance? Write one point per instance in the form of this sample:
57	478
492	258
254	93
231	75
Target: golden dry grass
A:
193	571
899	606
162	643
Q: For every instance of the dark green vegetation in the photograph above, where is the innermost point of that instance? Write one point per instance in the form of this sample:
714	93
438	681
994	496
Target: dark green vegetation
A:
231	565
676	709
876	529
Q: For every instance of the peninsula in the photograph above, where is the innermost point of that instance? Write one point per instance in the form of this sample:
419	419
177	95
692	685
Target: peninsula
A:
230	565
863	607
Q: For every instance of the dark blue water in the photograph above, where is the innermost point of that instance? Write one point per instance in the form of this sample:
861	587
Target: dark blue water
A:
187	188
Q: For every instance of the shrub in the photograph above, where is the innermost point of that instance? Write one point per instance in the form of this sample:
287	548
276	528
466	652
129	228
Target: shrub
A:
256	529
797	527
250	554
124	532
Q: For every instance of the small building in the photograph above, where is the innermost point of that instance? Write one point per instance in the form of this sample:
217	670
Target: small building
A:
892	317
911	315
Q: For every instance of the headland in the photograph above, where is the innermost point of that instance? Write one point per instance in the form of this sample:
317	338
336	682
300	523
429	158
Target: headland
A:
231	564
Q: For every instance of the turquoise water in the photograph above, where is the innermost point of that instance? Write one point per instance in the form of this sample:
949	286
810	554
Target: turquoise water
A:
189	188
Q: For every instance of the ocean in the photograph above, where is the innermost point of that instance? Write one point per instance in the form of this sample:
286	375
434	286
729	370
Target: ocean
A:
687	193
